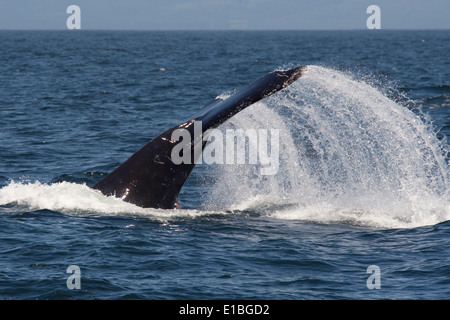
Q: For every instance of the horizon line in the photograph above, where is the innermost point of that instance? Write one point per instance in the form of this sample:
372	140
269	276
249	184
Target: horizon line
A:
222	30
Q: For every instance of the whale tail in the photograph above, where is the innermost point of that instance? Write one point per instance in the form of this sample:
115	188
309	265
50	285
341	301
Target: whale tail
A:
151	179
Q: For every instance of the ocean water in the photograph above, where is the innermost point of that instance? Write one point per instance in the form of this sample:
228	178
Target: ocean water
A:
362	182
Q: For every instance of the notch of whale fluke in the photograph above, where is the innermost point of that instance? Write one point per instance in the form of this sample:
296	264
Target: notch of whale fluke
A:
150	179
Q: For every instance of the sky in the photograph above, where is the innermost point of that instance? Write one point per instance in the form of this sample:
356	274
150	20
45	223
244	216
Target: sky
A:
224	14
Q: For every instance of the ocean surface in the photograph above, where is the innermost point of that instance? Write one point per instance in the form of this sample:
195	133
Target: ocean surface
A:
358	208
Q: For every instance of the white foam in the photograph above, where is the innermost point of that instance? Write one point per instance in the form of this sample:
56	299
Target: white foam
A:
330	213
74	198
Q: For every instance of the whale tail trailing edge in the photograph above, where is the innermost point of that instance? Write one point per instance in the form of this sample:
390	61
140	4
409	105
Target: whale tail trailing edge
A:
150	179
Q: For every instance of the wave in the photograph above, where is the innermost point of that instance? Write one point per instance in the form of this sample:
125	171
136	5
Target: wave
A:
329	213
78	199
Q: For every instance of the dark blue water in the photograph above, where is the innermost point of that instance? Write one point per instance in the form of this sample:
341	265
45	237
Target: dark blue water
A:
363	179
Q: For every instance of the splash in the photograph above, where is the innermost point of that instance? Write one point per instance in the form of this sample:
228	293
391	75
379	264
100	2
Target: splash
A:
79	199
347	154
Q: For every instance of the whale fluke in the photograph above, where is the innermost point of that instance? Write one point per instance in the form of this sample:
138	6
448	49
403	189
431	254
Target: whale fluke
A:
150	179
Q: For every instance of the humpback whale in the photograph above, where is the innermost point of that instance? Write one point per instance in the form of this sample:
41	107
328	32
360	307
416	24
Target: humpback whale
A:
150	179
